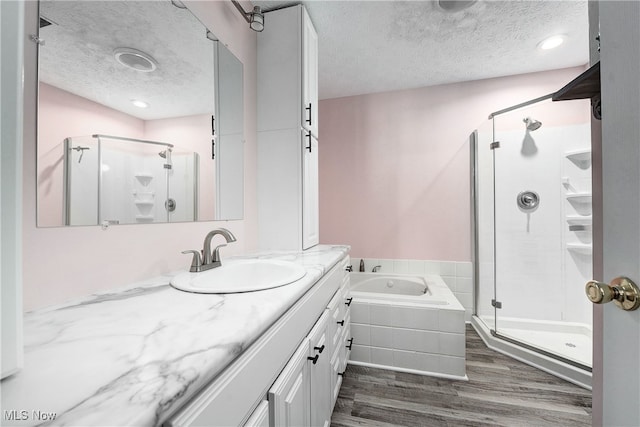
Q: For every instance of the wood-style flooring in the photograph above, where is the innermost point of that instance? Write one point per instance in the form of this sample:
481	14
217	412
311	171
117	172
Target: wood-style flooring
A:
500	392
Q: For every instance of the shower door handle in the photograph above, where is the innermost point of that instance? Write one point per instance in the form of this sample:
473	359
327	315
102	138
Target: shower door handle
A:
622	291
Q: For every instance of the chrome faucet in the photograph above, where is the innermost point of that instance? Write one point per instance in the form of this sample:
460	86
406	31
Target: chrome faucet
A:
376	268
207	259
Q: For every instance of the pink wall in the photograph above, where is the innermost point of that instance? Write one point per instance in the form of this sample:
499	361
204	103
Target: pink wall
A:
395	168
63	263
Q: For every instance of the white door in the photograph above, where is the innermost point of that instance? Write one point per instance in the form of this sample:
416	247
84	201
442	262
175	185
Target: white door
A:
617	379
310	208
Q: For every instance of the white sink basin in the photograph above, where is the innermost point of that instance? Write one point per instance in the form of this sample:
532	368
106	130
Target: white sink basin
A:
240	276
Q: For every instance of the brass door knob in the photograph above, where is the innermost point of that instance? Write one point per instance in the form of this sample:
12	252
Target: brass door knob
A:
622	291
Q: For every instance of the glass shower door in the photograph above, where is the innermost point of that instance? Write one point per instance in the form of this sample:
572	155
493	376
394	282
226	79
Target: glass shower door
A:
484	223
539	275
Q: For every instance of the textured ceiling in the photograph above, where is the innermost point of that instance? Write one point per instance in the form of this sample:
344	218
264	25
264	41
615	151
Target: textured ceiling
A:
365	47
377	46
78	55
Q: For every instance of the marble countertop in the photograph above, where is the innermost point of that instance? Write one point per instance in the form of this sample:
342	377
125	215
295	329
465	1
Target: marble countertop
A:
132	356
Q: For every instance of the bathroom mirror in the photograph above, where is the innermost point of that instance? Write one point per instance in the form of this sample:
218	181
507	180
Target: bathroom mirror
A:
140	116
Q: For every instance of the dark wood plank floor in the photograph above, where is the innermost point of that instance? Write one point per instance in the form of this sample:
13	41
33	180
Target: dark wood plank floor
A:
500	392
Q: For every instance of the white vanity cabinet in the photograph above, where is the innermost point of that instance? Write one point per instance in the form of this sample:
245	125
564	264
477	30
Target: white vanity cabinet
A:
275	382
287	115
310	390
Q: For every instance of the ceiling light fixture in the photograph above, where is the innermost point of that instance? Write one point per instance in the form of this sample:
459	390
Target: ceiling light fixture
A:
139	104
551	42
135	59
178	4
452	6
255	18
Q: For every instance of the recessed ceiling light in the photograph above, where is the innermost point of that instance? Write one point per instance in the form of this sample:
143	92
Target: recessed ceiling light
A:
551	42
135	59
138	103
455	5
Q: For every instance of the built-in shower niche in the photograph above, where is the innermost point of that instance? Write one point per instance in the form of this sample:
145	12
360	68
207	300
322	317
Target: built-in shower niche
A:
112	180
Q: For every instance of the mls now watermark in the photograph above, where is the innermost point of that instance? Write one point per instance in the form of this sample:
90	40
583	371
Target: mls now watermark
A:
23	415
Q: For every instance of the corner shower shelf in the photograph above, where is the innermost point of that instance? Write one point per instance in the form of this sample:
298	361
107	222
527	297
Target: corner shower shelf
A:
144	178
581	198
581	158
580	248
144	203
579	220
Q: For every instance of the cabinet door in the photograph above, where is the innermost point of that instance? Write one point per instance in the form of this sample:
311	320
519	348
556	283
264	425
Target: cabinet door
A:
336	376
320	373
309	75
289	396
259	417
310	214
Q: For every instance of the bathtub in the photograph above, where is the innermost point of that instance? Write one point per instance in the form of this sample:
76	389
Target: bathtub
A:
407	323
397	286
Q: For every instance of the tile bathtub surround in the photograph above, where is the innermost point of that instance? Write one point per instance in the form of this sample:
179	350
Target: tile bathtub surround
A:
134	355
458	275
404	335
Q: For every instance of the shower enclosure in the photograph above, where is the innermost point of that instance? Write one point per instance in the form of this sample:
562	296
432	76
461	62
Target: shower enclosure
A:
532	192
115	180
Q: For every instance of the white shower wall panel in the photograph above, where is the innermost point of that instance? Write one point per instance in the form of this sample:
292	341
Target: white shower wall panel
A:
121	186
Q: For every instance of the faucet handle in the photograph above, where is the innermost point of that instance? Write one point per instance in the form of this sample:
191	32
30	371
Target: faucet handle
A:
216	253
196	262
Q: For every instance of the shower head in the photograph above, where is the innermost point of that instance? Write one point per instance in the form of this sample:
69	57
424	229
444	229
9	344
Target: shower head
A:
163	154
532	124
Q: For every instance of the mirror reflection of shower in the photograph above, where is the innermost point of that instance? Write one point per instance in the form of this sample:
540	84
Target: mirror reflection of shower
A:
529	147
81	151
532	124
166	154
128	181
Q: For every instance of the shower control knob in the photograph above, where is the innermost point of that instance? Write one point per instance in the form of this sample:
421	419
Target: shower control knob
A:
622	291
528	200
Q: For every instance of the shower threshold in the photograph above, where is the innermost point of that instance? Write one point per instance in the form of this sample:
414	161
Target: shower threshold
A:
569	370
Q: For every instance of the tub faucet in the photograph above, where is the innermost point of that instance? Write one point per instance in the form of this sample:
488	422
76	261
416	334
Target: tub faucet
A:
376	268
207	259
